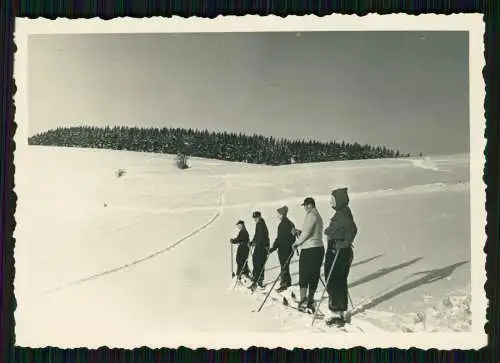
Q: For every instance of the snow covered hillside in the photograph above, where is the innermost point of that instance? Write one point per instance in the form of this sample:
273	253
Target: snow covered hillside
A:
120	261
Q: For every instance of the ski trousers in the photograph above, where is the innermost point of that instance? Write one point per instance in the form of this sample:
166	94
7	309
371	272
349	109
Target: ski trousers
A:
284	258
259	261
241	258
310	268
337	285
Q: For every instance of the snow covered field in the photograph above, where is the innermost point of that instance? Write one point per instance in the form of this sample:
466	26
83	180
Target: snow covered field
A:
128	261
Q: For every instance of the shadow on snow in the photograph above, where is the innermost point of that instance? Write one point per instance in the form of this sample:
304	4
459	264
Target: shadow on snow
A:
367	260
427	277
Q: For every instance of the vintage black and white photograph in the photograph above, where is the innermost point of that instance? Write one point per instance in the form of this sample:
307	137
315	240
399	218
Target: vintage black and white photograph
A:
296	182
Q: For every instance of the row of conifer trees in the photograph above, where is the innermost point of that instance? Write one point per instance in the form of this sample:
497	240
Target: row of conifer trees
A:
255	149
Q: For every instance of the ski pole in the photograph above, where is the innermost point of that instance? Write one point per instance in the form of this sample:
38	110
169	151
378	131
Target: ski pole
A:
348	294
350	299
326	284
232	258
274	284
262	270
243	268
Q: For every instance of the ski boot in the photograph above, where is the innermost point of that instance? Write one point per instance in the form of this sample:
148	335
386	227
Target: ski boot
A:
311	306
282	288
246	278
302	306
338	321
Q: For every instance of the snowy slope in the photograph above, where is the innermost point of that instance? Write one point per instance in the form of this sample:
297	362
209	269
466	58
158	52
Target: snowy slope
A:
100	258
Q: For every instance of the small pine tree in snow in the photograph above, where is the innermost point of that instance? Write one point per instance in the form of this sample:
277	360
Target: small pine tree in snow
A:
120	172
181	161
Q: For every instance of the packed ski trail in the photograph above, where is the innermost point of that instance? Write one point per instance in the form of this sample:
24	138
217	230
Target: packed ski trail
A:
85	247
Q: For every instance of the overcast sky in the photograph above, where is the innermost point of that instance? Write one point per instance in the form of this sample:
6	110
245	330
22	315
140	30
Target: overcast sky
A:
405	90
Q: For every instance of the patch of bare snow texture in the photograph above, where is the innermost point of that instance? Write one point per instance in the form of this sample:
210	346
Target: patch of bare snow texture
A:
449	314
426	163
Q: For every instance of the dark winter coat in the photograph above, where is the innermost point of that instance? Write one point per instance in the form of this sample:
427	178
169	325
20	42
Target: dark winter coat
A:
285	237
242	240
342	229
261	237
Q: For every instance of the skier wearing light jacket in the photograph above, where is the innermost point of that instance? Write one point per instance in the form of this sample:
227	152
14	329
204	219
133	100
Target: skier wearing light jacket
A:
340	235
312	252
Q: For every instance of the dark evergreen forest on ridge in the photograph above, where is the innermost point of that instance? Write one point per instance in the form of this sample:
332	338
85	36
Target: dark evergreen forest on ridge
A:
255	149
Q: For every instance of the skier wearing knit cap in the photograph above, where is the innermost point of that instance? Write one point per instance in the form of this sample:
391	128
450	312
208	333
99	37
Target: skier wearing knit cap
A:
283	243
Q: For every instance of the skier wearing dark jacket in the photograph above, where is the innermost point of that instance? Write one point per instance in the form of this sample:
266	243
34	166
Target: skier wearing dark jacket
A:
242	240
283	243
261	243
340	235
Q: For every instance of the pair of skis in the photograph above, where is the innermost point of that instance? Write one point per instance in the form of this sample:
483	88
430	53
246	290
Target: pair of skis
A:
293	303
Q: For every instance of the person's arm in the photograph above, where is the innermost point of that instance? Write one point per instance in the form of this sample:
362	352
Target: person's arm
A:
266	235
281	235
238	239
307	230
276	243
336	224
351	232
257	238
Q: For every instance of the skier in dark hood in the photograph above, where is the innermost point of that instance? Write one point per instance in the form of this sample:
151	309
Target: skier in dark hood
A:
283	243
340	235
261	243
242	240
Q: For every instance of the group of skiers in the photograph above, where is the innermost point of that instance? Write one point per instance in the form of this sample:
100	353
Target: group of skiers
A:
337	255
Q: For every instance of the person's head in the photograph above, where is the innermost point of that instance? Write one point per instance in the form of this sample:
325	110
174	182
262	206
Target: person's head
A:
339	198
309	204
256	216
240	225
282	212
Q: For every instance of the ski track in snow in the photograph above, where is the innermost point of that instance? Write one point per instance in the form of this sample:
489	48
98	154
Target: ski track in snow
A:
216	216
424	188
144	212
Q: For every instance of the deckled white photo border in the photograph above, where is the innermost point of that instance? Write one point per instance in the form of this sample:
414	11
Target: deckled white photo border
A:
473	23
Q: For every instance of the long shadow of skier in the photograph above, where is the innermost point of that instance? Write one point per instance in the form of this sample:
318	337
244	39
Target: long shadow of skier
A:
430	276
381	272
278	266
370	259
384	271
367	260
362	262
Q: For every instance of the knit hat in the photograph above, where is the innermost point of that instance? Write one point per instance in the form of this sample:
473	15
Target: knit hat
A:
283	210
256	214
